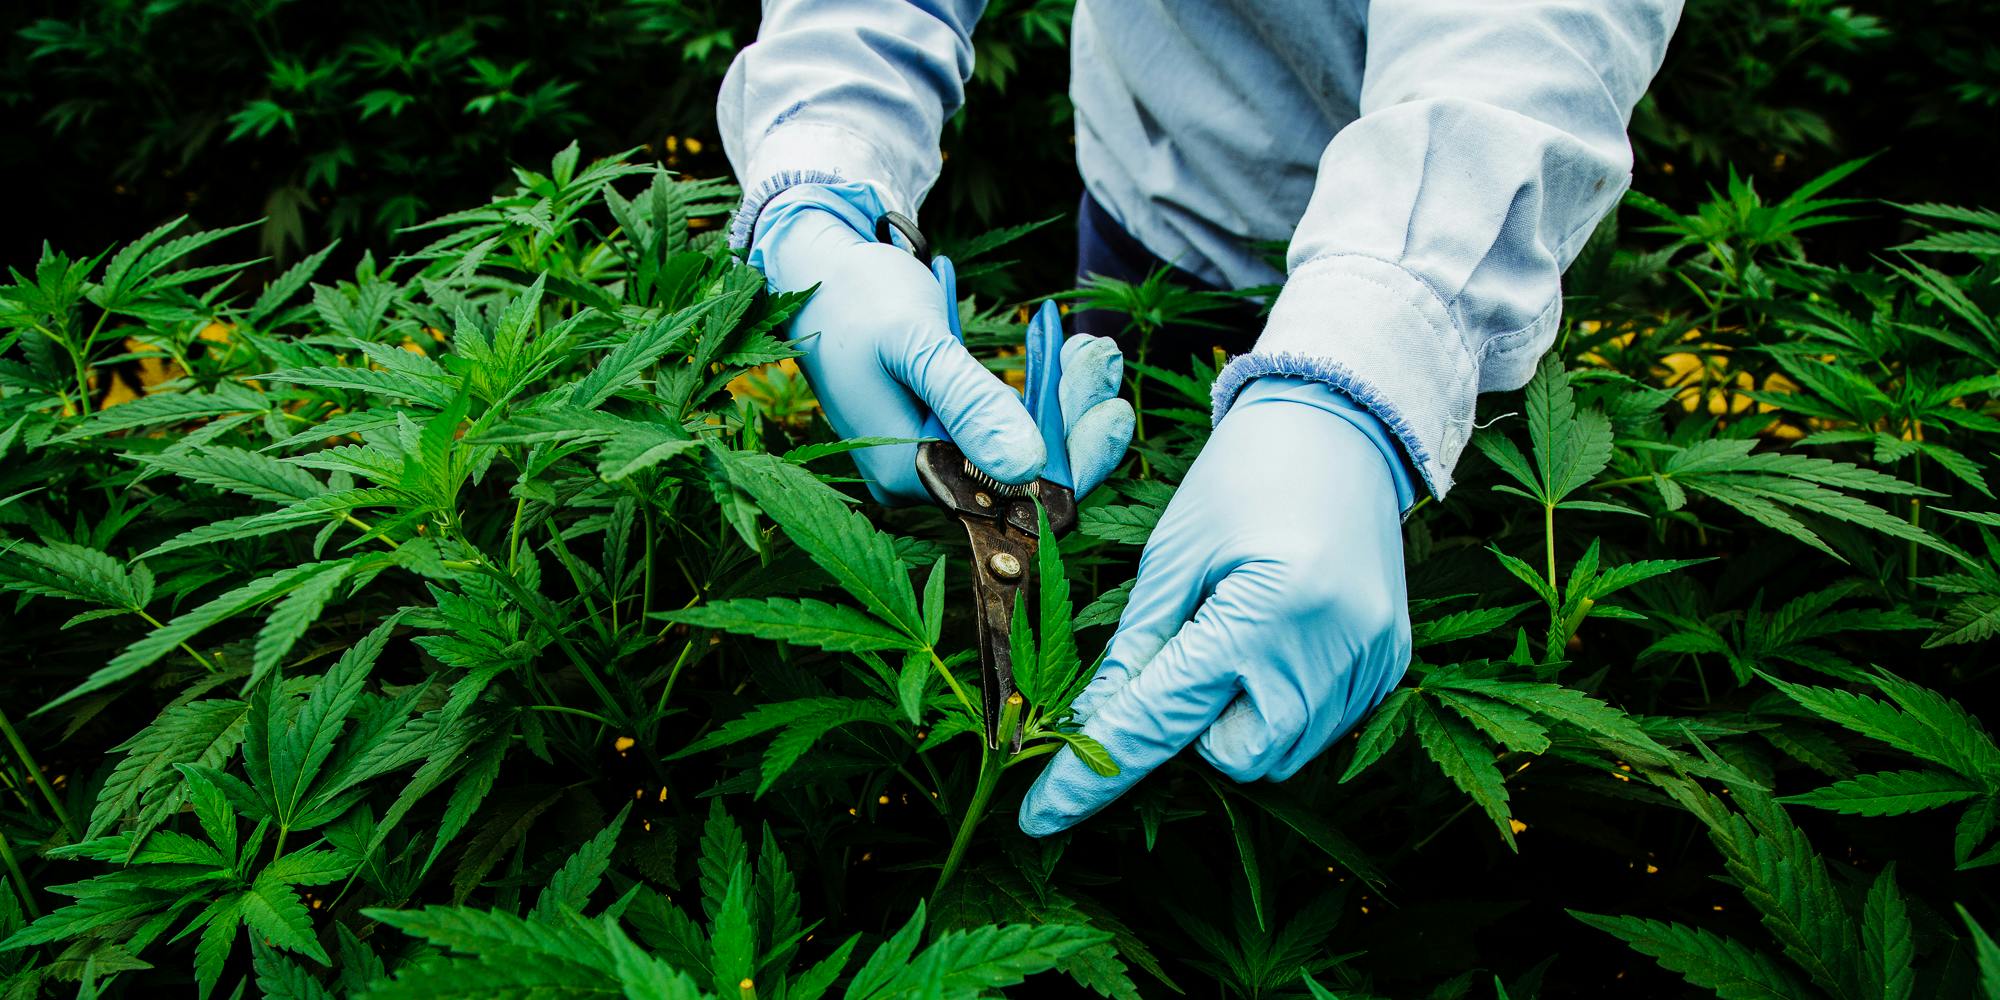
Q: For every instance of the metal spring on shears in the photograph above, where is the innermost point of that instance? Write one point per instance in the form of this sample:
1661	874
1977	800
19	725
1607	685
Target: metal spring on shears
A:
988	482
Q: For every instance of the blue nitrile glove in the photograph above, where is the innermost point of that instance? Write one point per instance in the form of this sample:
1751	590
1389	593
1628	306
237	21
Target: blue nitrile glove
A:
882	352
1269	615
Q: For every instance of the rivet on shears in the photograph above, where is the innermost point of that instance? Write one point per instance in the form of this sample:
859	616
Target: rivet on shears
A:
982	500
1004	565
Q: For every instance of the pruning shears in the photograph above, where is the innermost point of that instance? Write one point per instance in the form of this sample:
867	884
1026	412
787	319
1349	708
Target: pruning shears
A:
999	518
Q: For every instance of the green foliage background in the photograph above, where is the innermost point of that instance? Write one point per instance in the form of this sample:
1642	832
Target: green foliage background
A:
461	598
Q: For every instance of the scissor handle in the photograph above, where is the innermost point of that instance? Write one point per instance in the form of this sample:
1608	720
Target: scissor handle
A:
892	224
1044	397
1044	355
947	277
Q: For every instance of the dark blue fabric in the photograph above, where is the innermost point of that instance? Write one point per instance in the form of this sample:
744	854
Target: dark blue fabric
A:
1104	247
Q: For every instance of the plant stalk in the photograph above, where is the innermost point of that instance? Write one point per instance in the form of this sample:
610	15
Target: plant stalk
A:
673	675
21	886
646	588
35	774
1916	503
514	535
991	764
554	629
1549	540
952	682
566	710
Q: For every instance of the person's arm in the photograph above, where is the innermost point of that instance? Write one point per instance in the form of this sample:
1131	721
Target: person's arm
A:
845	91
1270	613
1427	266
832	118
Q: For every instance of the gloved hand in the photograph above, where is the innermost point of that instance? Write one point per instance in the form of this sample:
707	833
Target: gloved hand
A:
882	352
1269	615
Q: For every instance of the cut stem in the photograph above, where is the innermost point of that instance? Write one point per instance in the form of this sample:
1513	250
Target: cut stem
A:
991	763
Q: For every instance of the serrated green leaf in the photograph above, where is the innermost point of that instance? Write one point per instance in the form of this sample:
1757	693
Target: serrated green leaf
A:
168	408
733	934
1567	705
803	622
913	684
1528	575
1507	455
309	867
969	963
1943	733
813	983
503	976
1889	793
281	978
861	559
878	975
314	511
1467	760
1389	722
432	391
68	571
273	910
472	788
1888	942
629	360
1021	652
1126	524
219	923
1091	752
212	808
1733	970
634	450
294	614
776	715
643	976
166	638
81	917
822	449
1507	724
799	736
570	887
1055	631
1106	608
1784	880
1463	625
470	931
723	851
1246	854
1984	951
171	847
1571	446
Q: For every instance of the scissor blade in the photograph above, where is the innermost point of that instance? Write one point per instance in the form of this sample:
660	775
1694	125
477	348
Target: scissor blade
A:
1003	529
1000	567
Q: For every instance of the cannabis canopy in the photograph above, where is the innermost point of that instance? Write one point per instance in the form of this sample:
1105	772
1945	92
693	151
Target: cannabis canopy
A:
499	618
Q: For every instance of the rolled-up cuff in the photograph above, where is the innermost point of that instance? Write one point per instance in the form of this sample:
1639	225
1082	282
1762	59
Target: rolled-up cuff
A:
1377	333
813	153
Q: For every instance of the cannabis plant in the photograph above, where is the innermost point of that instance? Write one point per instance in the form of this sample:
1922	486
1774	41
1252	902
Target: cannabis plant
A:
499	618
